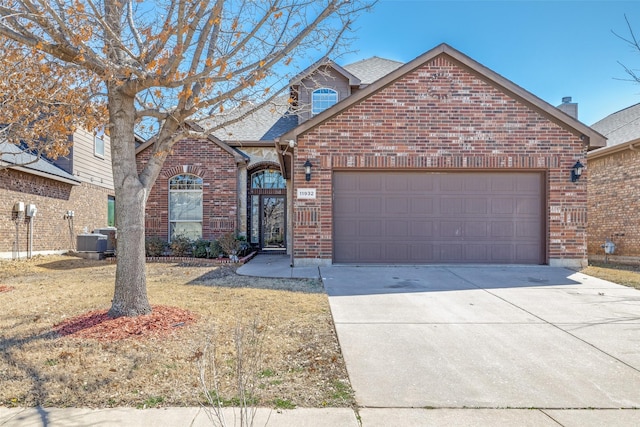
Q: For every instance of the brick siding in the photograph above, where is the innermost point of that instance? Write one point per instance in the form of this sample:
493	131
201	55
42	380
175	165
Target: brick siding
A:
52	232
441	117
614	187
219	172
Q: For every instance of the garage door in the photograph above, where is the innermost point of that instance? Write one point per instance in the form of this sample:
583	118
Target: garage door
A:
418	217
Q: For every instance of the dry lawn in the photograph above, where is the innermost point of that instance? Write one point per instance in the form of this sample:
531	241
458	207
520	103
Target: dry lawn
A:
627	275
300	360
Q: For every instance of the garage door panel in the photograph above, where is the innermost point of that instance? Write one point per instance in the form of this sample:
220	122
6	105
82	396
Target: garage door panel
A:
526	254
370	206
478	184
397	252
369	228
397	228
421	228
530	229
370	251
500	185
347	228
397	206
421	205
421	253
451	229
527	206
451	205
476	206
476	229
397	182
422	182
502	253
345	206
501	229
477	252
502	206
371	183
450	252
423	217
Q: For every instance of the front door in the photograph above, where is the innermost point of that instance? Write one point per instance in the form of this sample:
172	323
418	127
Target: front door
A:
267	210
273	222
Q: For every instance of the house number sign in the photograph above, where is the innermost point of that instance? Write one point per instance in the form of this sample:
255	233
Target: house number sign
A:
306	193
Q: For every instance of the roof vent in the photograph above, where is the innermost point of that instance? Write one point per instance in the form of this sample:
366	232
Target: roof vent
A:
566	99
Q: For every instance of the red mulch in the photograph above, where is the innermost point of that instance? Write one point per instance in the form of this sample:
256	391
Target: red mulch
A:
5	288
98	325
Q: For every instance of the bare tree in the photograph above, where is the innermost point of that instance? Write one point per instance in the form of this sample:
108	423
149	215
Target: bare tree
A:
166	64
633	42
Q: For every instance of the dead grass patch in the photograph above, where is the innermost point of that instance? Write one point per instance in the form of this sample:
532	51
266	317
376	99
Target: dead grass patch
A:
627	275
39	366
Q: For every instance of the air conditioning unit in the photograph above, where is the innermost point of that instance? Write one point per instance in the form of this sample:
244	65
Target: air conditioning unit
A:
111	233
91	243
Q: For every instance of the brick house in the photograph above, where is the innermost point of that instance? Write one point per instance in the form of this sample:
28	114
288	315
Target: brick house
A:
614	179
439	160
81	182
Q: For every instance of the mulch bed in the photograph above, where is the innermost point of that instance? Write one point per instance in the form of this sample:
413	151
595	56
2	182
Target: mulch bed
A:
5	288
97	325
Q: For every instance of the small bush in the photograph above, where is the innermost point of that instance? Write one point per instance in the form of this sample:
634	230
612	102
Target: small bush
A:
229	243
180	246
154	246
201	248
215	250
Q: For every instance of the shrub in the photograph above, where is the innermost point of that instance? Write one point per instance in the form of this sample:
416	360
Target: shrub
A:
180	246
154	246
201	248
215	250
229	243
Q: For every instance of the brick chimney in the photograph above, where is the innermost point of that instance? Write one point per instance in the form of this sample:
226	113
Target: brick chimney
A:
571	108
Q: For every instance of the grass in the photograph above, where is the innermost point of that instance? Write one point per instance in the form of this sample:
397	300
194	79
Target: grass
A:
302	360
626	275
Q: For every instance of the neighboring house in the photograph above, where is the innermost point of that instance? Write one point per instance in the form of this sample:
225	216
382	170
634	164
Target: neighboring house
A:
439	160
614	185
71	194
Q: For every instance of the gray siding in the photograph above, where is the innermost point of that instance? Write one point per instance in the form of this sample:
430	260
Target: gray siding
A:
326	77
87	166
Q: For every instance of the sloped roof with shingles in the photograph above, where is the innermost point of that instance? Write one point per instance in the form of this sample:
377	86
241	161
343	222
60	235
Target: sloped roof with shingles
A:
372	69
15	157
266	123
621	126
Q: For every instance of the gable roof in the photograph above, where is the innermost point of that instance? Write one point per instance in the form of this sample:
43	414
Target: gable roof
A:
16	158
238	156
372	69
621	126
351	78
588	135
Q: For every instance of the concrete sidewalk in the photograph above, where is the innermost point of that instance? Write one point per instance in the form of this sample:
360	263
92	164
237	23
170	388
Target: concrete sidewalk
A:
265	265
326	417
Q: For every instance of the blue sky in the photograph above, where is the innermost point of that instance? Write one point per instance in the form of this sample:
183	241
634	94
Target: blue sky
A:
550	48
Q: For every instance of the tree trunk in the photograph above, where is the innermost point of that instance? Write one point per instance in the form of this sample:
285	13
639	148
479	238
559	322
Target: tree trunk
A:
130	296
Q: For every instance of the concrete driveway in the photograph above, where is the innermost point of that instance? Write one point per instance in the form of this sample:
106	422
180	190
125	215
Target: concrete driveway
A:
486	337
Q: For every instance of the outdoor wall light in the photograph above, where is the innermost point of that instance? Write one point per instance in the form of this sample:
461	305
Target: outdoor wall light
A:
576	171
307	170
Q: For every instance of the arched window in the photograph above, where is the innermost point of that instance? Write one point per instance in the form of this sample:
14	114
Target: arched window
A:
185	206
323	98
267	178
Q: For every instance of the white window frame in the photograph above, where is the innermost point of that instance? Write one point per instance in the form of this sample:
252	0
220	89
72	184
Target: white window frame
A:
98	142
194	187
320	99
